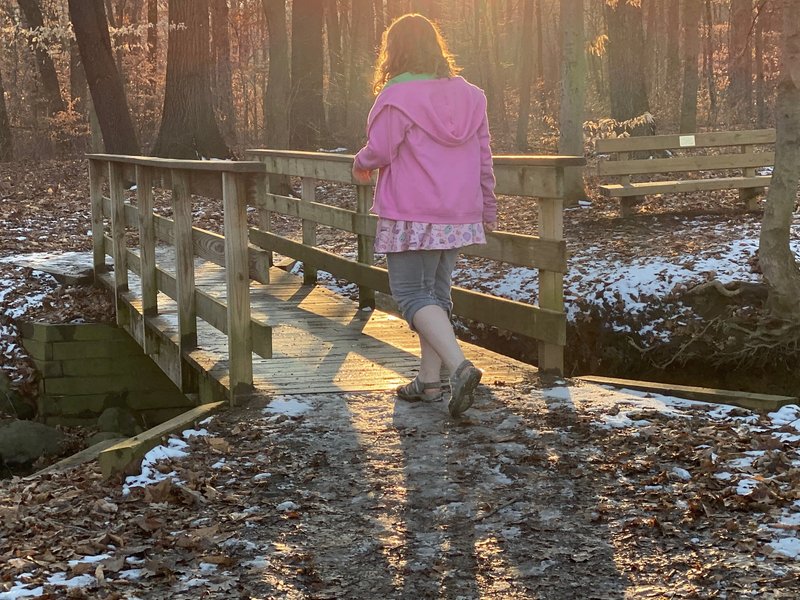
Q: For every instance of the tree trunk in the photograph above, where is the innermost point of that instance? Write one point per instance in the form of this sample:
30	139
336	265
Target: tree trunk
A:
673	62
308	112
277	94
189	127
152	31
740	69
573	94
77	79
337	92
626	61
223	83
429	8
711	80
44	64
539	44
775	255
495	91
6	139
691	77
361	60
761	109
89	22
525	75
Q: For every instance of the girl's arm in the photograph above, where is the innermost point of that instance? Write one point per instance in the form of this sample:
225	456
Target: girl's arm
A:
487	176
386	131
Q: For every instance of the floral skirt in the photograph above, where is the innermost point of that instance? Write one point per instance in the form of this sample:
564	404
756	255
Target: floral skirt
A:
401	236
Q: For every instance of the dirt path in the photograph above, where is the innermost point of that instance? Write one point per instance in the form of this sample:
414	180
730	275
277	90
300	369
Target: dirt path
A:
359	496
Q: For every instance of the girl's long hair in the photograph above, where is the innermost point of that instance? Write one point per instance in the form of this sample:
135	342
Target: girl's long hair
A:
412	44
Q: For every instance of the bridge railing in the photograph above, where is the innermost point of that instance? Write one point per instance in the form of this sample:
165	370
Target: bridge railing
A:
537	177
230	181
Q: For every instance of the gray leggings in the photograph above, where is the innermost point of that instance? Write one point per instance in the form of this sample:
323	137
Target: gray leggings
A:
421	278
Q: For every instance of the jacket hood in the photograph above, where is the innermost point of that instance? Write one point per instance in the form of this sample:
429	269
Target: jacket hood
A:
450	110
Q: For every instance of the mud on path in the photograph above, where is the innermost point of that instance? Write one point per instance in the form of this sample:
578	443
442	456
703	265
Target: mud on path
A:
361	496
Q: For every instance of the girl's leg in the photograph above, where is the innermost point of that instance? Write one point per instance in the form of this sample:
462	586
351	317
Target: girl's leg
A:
430	368
433	324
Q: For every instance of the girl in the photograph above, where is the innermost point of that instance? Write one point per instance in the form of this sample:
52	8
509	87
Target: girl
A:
429	137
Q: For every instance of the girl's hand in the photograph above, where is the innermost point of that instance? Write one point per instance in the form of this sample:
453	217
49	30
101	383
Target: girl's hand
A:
490	226
362	176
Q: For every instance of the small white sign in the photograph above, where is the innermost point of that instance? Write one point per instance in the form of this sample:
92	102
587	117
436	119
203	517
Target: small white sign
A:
686	141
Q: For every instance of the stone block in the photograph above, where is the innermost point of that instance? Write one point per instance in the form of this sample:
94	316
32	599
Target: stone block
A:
38	350
84	405
97	349
47	406
50	368
72	386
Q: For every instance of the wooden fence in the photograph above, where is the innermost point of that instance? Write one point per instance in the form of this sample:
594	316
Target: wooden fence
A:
537	177
246	252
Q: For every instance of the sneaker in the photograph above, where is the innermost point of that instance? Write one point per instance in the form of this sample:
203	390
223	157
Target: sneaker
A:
463	382
415	391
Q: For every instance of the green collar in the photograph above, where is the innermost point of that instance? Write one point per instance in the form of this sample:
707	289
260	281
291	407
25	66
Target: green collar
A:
407	76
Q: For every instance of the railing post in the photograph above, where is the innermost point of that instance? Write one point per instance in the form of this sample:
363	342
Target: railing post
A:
184	268
749	195
147	240
240	343
96	178
551	283
309	192
262	189
366	244
117	194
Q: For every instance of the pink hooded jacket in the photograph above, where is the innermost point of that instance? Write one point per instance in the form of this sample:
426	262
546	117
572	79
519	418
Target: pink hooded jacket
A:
430	140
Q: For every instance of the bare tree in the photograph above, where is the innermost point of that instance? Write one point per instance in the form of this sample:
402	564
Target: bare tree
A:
6	139
189	126
573	94
740	63
525	75
222	79
277	94
691	76
308	111
626	73
89	22
44	64
775	255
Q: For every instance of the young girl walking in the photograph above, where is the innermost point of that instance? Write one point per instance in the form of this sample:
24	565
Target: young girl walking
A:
428	136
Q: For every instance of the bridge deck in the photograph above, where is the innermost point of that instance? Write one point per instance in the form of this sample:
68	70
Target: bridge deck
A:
322	342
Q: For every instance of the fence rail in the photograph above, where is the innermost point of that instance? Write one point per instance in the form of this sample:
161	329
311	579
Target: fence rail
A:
246	251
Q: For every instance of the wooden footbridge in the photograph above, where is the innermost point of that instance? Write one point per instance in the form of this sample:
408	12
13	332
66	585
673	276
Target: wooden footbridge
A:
222	321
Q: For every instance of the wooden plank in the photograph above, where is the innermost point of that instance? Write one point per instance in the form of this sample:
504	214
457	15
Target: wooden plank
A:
308	194
234	198
746	399
522	250
538	323
647	188
212	309
258	192
213	166
147	240
126	456
676	141
184	268
206	244
372	277
97	175
541	182
551	286
719	162
118	223
365	250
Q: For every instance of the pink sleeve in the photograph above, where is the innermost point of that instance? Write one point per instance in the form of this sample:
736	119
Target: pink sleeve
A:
487	174
385	132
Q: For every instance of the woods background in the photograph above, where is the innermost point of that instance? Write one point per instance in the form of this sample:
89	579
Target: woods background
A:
212	77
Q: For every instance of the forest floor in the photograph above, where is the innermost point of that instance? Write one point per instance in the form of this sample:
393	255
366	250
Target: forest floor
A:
557	491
